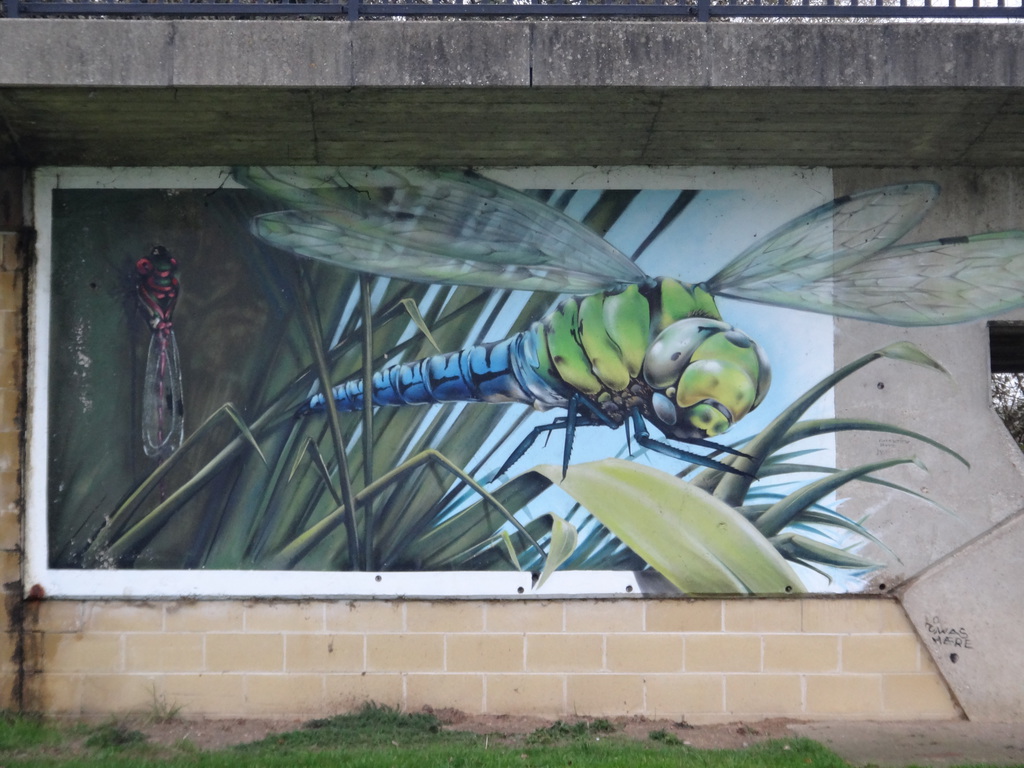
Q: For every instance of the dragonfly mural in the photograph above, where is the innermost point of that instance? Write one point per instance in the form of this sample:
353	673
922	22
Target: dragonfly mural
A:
635	349
163	417
520	322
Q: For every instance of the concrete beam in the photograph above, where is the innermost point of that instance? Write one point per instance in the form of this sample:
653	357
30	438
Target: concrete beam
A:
184	53
511	126
509	92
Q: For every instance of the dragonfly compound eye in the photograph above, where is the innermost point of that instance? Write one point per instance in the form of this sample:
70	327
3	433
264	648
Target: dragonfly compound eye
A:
672	350
725	387
706	375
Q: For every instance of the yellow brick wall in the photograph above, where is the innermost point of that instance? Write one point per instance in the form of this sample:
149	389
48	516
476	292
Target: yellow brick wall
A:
702	661
11	300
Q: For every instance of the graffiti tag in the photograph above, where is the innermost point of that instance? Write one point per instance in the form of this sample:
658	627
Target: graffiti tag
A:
940	634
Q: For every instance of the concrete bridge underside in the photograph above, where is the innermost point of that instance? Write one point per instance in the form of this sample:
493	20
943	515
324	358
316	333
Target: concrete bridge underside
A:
131	92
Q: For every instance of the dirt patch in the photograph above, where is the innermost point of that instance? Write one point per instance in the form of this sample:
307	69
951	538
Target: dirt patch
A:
218	734
723	736
213	734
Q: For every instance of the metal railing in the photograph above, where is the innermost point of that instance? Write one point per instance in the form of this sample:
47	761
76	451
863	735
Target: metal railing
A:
700	10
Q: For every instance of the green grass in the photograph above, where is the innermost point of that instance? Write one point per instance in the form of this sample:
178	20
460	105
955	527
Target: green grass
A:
445	753
371	727
380	737
115	735
19	733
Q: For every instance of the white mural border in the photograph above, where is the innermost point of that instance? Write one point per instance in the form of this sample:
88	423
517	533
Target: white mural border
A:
799	188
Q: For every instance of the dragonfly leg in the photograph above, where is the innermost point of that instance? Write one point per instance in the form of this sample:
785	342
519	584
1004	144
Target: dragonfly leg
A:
581	413
570	434
528	441
644	438
719	447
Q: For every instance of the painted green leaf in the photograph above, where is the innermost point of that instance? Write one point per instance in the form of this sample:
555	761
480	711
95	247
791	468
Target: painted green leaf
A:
695	541
562	545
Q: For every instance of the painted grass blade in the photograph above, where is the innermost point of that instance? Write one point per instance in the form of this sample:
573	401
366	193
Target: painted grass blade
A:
816	519
102	549
315	335
417	318
309	447
805	551
812	427
289	556
439	547
781	469
731	488
781	514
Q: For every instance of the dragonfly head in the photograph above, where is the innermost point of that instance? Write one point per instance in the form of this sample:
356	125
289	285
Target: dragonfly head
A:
706	376
158	267
157	286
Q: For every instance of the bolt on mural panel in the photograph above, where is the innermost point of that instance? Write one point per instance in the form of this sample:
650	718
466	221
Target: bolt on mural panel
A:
560	379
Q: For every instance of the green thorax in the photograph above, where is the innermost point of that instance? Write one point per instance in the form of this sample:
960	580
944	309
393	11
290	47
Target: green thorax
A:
596	344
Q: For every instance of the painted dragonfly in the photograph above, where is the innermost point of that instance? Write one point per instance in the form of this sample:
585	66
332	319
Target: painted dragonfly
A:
629	349
163	417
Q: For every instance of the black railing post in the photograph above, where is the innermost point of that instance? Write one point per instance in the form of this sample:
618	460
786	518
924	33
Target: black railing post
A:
11	9
703	10
353	10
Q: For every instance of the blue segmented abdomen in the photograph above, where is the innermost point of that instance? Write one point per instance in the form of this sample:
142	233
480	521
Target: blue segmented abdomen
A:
499	372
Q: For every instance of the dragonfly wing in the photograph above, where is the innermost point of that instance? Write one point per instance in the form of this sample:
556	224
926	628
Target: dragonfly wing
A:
936	283
824	241
434	226
163	418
